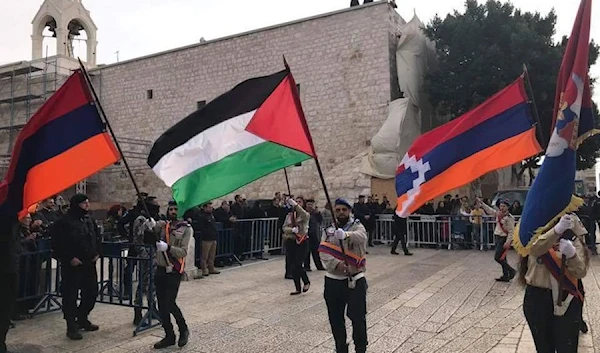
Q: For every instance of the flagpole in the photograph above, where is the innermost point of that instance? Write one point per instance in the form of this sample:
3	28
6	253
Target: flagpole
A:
287	181
536	116
103	115
315	157
312	146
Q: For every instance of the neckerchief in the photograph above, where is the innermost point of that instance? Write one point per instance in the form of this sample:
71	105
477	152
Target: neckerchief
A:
178	264
345	255
499	218
553	263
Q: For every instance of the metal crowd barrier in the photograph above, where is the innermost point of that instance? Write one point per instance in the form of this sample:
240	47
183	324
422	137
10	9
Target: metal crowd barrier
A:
246	238
40	280
441	231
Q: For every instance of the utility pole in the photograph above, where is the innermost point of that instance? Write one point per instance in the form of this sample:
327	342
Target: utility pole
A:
117	53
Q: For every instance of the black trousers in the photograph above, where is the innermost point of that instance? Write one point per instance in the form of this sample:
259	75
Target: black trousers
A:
551	333
75	279
167	287
506	268
290	254
299	272
313	244
8	297
400	237
337	297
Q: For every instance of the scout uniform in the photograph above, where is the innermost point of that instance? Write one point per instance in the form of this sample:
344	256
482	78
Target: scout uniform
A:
554	327
346	289
298	219
503	232
175	237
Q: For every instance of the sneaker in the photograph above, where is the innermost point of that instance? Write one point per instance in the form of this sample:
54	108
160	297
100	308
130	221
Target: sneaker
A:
214	272
165	342
183	337
408	253
503	279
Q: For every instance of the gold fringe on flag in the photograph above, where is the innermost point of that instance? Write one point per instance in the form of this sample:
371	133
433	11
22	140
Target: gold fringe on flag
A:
523	250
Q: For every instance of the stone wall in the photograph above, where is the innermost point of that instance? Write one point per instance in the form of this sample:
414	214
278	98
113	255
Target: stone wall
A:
341	61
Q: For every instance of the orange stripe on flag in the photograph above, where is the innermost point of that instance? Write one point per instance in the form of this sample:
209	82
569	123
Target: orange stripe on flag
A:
68	168
500	155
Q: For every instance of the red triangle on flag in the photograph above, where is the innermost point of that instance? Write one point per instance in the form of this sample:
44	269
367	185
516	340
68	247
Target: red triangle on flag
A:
280	119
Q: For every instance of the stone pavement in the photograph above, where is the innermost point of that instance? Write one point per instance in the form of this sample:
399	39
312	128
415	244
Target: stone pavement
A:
436	301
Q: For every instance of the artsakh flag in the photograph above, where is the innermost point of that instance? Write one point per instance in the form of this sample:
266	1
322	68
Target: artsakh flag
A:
64	142
247	133
551	194
498	133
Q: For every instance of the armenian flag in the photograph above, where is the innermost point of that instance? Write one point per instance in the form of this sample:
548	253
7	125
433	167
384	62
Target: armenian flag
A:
64	142
256	128
498	133
551	195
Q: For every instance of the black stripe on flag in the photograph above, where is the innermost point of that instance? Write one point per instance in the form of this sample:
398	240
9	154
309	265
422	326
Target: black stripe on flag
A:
243	98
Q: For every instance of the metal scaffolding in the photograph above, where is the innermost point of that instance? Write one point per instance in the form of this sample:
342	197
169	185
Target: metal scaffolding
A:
25	86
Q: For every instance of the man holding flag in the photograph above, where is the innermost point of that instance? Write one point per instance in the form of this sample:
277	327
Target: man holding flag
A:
41	167
549	238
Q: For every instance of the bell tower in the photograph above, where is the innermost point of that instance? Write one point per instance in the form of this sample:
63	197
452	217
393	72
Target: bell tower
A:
65	19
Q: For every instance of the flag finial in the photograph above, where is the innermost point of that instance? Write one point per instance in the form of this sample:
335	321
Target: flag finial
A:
285	63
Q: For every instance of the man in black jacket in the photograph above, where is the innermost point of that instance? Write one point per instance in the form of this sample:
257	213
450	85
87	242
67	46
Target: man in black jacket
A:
399	228
364	213
208	232
77	247
9	263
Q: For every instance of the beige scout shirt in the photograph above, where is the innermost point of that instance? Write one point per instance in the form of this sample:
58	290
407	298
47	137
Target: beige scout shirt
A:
302	218
179	239
507	222
355	245
538	275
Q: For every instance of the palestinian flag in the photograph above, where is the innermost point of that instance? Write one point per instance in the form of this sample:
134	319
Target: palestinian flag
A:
251	131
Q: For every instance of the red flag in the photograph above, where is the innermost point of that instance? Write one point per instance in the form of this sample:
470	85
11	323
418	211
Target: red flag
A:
573	84
63	143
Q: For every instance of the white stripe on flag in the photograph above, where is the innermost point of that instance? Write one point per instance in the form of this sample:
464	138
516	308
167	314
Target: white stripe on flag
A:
210	146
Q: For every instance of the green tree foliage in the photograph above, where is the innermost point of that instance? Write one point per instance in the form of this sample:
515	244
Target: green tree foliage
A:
483	50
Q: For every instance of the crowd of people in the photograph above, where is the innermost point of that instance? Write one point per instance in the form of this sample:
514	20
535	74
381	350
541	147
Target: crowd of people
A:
308	233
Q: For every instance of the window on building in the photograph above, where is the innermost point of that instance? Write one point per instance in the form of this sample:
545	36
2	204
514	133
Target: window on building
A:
200	104
149	94
298	88
298	164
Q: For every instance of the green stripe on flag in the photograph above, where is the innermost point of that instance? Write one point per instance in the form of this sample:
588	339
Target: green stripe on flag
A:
232	172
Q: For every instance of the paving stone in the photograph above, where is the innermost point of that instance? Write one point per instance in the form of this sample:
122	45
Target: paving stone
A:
230	313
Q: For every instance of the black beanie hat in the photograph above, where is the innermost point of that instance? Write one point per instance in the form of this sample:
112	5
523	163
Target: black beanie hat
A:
77	199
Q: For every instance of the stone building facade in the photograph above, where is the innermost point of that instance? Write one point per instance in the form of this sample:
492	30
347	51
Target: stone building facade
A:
344	62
